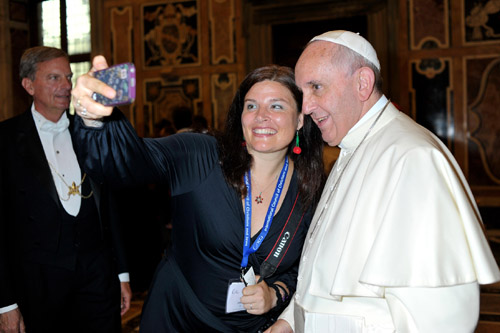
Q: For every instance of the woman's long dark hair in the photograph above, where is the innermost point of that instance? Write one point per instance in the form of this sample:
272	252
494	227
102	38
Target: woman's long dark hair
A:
235	160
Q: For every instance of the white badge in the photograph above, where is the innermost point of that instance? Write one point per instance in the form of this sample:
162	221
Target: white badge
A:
249	277
235	291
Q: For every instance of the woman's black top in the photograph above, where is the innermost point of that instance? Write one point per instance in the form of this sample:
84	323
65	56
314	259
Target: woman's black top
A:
188	293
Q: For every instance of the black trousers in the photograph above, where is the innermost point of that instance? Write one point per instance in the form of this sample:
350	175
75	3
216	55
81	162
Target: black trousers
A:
85	300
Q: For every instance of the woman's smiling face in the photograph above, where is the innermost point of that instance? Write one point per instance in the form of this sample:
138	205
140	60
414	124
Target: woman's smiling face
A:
270	117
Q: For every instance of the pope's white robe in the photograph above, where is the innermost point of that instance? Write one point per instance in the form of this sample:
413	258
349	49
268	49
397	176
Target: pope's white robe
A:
399	244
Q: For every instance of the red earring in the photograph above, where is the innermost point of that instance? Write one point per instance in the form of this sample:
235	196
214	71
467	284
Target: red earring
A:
297	149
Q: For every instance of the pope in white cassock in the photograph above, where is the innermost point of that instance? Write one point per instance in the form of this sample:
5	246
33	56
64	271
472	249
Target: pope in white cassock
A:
397	242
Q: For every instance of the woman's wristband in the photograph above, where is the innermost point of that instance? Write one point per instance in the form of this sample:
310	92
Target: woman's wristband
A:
281	298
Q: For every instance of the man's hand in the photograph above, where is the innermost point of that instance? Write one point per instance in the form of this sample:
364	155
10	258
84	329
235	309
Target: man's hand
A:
126	296
12	322
281	326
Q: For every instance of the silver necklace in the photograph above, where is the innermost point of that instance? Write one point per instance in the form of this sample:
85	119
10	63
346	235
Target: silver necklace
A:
259	199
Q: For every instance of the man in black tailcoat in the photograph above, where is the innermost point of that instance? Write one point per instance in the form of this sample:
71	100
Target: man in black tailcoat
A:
62	265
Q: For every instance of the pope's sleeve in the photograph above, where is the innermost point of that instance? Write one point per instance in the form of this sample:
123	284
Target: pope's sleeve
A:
445	309
287	314
431	234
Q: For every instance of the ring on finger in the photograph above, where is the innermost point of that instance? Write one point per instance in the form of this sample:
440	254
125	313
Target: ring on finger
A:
78	103
84	112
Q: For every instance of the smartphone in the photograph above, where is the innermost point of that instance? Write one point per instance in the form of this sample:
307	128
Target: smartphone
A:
122	79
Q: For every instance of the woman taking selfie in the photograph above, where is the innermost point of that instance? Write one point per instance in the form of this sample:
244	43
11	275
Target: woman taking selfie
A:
241	200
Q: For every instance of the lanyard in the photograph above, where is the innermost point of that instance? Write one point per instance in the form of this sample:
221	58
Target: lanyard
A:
247	249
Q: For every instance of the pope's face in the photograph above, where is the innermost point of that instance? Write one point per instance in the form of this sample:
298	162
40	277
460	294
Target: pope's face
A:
51	88
270	117
329	91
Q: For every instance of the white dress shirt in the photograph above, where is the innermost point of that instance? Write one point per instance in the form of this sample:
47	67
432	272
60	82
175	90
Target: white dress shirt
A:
58	148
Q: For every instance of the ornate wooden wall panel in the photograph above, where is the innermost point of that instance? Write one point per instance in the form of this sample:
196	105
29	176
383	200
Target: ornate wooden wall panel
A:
162	96
432	96
482	23
121	31
460	69
178	46
221	17
429	24
19	41
223	88
483	99
121	34
14	39
170	34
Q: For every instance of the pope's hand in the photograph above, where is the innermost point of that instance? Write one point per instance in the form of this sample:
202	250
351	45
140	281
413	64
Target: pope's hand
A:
281	326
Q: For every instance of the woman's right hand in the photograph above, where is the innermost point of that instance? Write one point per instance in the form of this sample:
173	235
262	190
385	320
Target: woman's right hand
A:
86	85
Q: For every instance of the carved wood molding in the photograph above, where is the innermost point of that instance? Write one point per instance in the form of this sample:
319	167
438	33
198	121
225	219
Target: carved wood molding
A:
431	88
223	88
121	31
265	12
162	96
221	18
429	24
484	126
480	22
170	34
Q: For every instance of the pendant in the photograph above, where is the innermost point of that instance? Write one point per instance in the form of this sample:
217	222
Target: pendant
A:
259	199
73	190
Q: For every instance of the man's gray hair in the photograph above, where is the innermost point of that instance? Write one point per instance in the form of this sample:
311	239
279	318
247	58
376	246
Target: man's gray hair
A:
35	55
352	61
